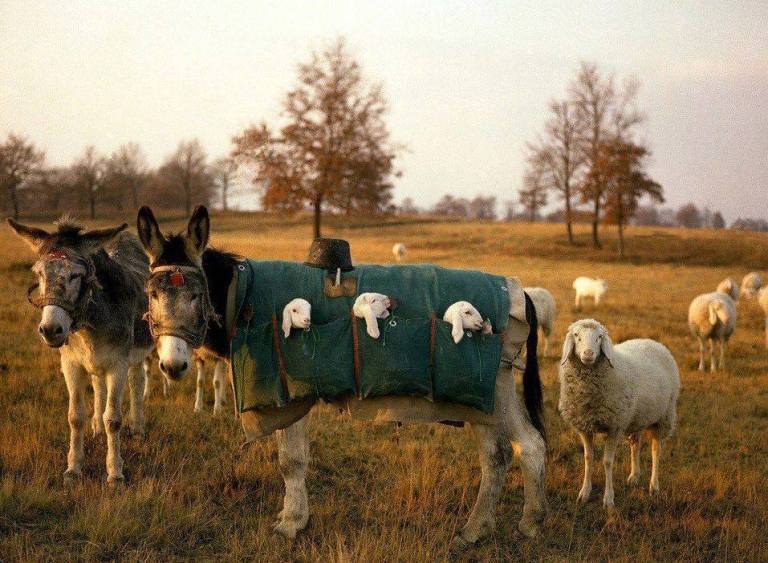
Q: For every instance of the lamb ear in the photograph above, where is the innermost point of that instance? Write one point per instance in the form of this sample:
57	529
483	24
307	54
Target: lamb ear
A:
287	322
33	236
607	347
371	324
568	346
458	326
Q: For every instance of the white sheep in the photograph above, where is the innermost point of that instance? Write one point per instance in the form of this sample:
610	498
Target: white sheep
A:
762	298
398	250
296	314
371	306
730	288
618	391
712	316
463	316
546	311
751	284
589	287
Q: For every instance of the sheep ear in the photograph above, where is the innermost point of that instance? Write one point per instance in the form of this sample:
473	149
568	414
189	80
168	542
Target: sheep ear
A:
458	326
713	306
371	324
568	346
287	321
606	345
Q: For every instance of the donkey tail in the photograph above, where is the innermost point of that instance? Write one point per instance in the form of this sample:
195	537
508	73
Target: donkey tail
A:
532	393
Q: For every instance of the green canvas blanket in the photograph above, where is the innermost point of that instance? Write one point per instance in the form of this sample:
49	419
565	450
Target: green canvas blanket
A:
415	354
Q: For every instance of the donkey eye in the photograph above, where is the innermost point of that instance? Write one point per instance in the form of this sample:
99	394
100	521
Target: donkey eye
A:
153	294
73	277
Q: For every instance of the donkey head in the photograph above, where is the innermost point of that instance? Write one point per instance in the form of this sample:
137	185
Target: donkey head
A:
65	273
179	304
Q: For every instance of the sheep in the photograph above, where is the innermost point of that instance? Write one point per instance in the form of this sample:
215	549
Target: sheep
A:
751	284
762	299
371	306
730	288
589	287
712	316
296	314
463	316
625	389
398	250
546	311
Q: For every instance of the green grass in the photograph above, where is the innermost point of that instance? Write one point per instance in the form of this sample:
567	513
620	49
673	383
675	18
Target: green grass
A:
381	495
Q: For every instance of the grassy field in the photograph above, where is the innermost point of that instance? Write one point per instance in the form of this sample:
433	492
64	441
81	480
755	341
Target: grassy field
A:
377	496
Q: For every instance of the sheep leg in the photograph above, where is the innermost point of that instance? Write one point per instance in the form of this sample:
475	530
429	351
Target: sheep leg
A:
74	376
723	346
577	303
113	420
701	354
712	365
634	446
136	379
653	487
609	454
219	389
200	391
589	453
293	458
546	332
99	403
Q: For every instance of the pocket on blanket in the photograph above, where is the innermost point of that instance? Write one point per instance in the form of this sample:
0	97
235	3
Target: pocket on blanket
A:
255	369
465	373
396	363
320	362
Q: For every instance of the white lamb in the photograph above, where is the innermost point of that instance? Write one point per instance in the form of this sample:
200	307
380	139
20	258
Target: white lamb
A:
617	391
398	250
371	306
751	284
589	287
463	316
762	298
546	311
730	288
712	316
296	314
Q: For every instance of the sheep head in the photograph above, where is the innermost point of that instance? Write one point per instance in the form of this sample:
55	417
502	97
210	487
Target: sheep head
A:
296	314
463	316
587	339
371	306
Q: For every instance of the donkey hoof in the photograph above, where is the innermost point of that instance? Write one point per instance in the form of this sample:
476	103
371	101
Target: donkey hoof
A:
633	480
287	528
136	431
529	527
71	477
115	481
459	543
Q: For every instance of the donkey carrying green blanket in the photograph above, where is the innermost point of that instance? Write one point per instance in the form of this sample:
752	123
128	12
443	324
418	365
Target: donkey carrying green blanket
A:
414	356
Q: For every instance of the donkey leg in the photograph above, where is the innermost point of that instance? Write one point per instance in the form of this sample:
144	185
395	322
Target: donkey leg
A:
200	392
75	377
219	386
136	379
113	420
293	456
495	457
99	404
145	366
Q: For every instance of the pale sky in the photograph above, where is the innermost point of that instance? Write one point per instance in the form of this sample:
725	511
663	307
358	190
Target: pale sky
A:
468	82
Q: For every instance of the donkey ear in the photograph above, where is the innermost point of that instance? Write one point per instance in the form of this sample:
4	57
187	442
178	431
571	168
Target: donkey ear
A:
198	230
96	238
568	346
149	232
33	236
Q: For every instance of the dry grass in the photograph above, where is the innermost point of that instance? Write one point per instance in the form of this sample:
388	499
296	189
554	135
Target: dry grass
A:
375	496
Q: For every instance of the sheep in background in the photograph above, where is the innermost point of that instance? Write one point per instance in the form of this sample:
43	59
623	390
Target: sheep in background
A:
730	288
546	311
398	250
762	298
463	316
296	314
712	316
589	287
618	391
371	306
751	284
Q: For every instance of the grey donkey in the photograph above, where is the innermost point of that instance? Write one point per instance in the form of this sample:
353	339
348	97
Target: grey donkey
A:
90	288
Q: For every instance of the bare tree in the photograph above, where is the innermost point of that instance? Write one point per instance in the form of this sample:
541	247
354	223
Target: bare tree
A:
688	216
19	160
334	150
408	207
483	208
186	171
127	172
717	221
449	206
533	195
89	172
224	171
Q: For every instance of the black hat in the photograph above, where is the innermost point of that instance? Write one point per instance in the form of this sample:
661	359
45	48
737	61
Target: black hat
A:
330	254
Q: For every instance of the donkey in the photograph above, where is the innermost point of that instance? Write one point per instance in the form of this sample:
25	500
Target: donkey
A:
92	298
190	312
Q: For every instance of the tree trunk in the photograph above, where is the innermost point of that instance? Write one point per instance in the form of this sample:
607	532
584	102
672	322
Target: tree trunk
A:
318	204
93	206
188	199
568	220
15	201
595	223
224	197
135	195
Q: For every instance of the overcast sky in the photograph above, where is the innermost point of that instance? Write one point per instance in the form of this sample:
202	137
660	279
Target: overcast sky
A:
468	82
